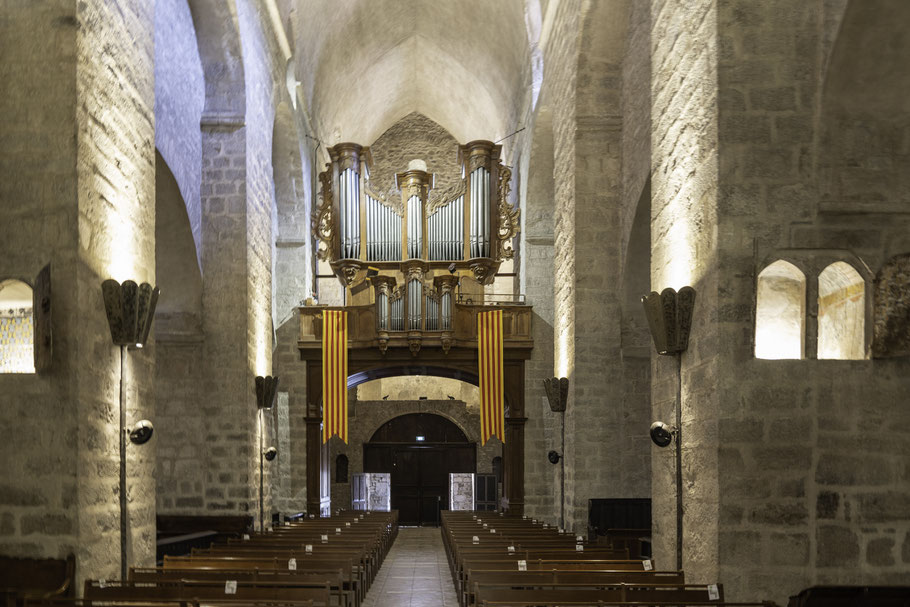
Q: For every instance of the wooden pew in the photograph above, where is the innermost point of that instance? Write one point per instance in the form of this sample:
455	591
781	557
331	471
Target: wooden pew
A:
318	594
480	581
22	578
71	602
333	577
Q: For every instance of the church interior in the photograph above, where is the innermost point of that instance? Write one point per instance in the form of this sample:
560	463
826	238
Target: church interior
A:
262	259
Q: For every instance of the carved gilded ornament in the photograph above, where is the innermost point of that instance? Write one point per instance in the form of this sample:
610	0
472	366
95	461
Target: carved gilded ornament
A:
392	199
323	219
445	197
509	224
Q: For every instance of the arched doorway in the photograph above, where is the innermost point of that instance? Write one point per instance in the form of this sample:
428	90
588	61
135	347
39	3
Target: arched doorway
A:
419	450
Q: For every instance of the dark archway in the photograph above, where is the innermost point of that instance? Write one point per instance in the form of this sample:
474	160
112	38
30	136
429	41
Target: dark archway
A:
419	450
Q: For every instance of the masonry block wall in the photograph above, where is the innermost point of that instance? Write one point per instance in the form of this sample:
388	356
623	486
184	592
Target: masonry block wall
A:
684	243
543	428
83	199
39	496
808	496
179	103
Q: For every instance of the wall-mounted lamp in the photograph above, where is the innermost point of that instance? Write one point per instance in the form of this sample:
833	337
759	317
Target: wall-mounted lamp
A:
266	393
670	321
130	308
670	318
557	389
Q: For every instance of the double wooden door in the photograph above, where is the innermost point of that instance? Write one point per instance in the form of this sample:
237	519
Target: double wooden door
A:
419	475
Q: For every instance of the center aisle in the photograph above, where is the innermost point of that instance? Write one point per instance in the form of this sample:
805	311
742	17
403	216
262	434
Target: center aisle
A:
415	573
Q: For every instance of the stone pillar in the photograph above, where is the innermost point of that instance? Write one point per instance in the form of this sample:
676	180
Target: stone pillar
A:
77	183
684	188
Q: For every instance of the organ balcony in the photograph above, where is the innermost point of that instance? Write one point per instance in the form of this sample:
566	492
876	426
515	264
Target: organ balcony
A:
415	271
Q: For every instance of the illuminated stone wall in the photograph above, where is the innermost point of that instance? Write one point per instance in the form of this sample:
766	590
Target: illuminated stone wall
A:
683	252
78	186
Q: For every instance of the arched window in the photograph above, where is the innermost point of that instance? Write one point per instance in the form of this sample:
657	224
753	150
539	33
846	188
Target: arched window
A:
780	312
341	468
841	313
17	336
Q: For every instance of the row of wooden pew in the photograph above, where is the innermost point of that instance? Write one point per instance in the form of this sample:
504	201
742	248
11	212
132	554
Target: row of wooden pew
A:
504	561
320	562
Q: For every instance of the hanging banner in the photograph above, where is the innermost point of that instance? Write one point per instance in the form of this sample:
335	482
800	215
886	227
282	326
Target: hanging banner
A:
489	355
334	375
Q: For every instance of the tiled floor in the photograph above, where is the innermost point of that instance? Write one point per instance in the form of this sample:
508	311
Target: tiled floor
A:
415	573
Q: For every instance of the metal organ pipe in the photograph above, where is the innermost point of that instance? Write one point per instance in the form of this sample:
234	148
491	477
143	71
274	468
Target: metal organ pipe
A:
446	301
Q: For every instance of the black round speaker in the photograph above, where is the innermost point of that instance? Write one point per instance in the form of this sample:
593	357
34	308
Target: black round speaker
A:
142	432
554	457
271	453
661	434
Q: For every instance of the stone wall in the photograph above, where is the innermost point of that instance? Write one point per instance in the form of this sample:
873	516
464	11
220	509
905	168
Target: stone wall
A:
807	496
38	483
684	234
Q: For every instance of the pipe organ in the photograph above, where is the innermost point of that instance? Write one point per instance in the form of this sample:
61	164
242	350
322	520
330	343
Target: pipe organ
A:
405	254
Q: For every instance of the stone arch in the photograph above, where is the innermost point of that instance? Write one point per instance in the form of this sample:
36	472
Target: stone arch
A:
179	277
218	37
453	428
179	104
293	254
178	328
780	313
841	312
17	337
341	468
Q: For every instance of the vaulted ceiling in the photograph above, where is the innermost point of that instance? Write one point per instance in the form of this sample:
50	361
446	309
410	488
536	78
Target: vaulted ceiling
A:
364	64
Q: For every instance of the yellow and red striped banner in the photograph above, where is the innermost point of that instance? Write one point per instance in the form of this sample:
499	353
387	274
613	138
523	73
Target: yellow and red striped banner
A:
489	355
334	375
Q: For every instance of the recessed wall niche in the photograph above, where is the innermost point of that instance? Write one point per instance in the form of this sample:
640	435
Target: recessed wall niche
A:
17	334
780	312
841	313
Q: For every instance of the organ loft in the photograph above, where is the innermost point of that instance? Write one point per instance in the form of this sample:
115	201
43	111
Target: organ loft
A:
525	302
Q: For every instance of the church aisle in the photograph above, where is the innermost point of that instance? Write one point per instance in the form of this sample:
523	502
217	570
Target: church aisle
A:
415	573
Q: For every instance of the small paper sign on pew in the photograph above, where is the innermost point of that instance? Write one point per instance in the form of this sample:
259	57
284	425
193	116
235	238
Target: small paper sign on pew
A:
356	520
511	549
324	538
475	540
308	548
230	587
292	564
522	565
579	548
492	531
246	537
474	517
485	525
713	592
337	530
347	524
647	564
